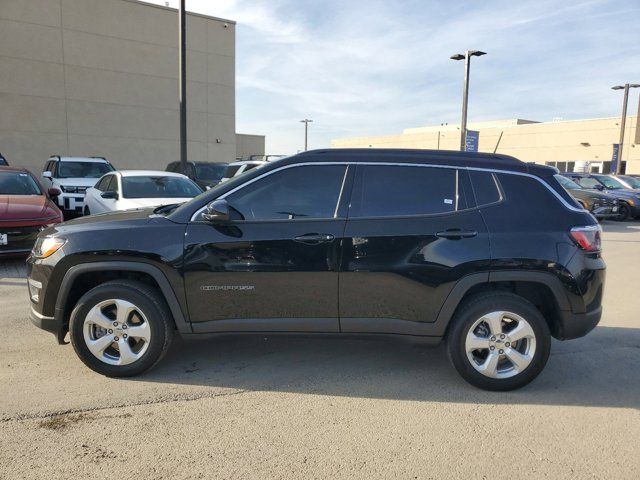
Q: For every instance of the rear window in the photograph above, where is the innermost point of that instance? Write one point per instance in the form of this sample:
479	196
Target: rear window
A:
485	187
382	191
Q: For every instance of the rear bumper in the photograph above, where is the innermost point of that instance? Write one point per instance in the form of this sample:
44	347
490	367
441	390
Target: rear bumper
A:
576	325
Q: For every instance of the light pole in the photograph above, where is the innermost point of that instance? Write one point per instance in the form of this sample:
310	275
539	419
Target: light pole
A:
465	92
623	121
182	81
306	122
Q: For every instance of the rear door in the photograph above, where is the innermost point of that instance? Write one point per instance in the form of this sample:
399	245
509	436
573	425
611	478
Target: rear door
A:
411	234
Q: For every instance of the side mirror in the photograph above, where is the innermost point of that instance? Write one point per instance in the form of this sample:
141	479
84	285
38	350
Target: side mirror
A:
53	192
599	187
110	195
217	212
47	175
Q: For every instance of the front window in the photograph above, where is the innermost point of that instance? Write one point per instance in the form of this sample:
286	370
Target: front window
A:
18	183
610	183
294	193
632	182
566	183
83	169
159	187
210	171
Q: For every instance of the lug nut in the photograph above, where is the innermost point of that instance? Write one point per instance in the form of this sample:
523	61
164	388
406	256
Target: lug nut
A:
500	351
115	324
492	347
124	326
493	339
502	336
110	331
116	338
507	344
124	336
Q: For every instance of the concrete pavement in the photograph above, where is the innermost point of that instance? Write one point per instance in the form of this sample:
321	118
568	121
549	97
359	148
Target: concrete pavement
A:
241	407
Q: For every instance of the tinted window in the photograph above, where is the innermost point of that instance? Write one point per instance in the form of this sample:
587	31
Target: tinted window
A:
588	182
298	192
210	171
566	183
485	186
102	183
159	187
83	169
112	184
610	182
18	183
382	191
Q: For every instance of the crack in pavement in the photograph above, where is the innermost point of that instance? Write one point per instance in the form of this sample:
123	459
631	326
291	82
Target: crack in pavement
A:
177	398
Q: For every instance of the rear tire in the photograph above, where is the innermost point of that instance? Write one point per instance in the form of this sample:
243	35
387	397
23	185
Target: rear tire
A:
498	341
86	212
121	328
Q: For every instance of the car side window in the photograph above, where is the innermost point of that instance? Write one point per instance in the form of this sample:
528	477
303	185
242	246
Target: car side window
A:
589	182
54	168
390	190
301	192
485	187
102	183
112	186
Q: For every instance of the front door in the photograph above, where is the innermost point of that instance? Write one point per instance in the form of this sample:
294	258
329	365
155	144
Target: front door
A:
275	266
410	236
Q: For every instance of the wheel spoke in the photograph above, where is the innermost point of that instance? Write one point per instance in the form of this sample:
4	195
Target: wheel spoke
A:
140	331
522	330
126	354
490	365
96	317
123	309
519	361
475	342
100	345
494	320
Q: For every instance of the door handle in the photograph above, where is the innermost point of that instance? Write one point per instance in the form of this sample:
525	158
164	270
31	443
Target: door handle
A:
314	238
456	234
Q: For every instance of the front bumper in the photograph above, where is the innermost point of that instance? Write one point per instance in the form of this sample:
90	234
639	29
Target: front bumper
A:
606	211
19	240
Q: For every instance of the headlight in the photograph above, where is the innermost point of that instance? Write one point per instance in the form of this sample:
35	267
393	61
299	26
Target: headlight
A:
47	246
633	201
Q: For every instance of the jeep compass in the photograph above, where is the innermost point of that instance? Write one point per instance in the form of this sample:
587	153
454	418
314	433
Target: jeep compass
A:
482	251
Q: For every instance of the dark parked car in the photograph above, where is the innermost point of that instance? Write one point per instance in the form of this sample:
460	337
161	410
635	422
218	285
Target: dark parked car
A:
600	204
25	209
3	161
205	174
629	199
413	244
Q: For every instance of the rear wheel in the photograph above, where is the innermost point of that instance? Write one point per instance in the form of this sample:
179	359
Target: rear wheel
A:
86	211
498	341
121	328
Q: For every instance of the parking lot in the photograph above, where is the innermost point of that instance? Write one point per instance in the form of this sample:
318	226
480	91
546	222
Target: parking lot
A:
256	407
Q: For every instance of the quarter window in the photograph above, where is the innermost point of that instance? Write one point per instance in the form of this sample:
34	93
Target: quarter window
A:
485	186
294	193
382	191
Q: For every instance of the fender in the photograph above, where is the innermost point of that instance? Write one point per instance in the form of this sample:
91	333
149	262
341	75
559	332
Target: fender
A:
167	292
466	283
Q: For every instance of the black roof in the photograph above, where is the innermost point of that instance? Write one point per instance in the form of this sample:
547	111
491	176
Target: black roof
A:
398	155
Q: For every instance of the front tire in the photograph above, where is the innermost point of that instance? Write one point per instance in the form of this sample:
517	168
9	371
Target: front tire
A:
86	212
498	341
121	328
625	212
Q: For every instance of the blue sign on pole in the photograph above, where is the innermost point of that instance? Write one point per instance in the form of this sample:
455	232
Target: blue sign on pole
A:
472	140
615	158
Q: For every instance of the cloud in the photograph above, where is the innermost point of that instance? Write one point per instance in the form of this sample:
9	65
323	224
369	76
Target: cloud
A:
376	67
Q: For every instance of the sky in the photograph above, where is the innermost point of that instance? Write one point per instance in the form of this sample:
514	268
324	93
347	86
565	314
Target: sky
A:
375	67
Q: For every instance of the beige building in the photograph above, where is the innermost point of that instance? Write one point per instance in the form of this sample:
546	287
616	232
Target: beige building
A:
576	145
100	77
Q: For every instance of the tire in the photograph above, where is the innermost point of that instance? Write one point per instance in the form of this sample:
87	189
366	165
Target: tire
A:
512	314
86	212
136	346
625	212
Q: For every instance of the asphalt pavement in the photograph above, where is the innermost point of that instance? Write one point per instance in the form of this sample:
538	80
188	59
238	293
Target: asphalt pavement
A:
268	407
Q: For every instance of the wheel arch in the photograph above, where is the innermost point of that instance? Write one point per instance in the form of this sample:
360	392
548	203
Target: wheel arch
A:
81	278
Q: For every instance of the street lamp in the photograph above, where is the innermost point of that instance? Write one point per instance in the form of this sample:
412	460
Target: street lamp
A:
626	88
465	93
306	122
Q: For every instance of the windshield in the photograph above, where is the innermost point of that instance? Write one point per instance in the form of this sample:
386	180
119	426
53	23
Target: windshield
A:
83	169
610	183
567	183
210	171
18	183
631	181
159	187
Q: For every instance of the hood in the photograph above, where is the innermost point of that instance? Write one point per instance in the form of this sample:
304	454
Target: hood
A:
152	202
25	207
623	193
599	194
77	182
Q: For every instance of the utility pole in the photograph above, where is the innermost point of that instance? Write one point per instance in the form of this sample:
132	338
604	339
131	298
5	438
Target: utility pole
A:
306	122
465	92
623	121
182	84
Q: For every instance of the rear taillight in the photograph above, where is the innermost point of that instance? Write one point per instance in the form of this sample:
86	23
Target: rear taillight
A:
587	237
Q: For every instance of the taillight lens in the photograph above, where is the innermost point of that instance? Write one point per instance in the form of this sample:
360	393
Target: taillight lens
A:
588	238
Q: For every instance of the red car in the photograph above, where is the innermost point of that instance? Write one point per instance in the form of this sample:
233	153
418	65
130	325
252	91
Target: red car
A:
25	209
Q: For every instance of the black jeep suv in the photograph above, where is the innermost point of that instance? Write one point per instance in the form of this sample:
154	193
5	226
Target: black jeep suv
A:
484	251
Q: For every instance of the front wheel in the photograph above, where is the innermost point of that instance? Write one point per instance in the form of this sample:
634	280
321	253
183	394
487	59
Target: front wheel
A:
86	212
498	341
121	328
625	212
